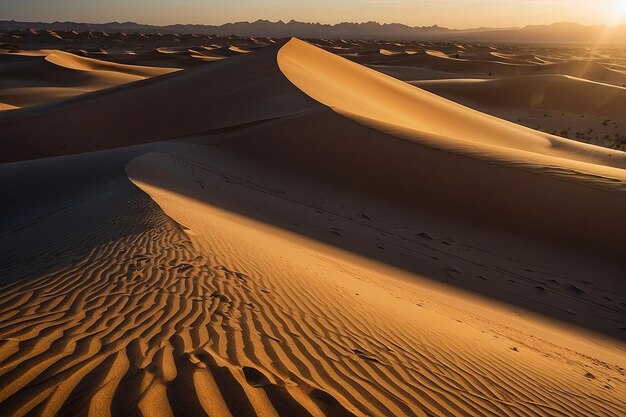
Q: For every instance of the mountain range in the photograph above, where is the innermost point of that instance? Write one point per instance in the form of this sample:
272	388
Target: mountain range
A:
565	33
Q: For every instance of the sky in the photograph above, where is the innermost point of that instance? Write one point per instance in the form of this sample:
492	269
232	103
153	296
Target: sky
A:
459	14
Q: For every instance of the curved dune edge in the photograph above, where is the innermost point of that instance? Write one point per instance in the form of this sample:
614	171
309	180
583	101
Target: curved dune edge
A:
483	64
186	309
353	89
172	106
338	325
546	92
68	60
500	160
47	76
149	300
5	106
576	108
81	63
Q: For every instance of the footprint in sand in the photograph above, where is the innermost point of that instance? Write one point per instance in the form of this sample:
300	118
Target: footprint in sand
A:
424	235
576	290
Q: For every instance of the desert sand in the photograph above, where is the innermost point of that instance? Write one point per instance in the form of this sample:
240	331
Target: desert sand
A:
250	227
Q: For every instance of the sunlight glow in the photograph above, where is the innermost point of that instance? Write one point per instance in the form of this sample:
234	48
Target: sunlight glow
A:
618	10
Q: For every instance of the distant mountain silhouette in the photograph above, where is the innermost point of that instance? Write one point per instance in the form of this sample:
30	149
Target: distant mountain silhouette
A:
571	33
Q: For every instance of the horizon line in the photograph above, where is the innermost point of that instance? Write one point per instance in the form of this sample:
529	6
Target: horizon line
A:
313	23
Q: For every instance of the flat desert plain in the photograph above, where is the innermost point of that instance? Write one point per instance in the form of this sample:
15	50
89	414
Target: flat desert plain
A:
232	226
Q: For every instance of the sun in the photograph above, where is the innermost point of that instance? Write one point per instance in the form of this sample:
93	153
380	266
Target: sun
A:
615	11
619	8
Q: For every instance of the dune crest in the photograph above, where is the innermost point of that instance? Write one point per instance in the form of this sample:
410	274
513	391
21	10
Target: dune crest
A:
369	95
286	233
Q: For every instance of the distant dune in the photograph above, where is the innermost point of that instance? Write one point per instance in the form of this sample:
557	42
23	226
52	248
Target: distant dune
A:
37	77
233	226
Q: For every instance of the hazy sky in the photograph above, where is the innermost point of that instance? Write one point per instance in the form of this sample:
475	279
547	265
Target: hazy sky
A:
455	13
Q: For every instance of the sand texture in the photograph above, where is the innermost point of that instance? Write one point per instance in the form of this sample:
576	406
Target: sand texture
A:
250	227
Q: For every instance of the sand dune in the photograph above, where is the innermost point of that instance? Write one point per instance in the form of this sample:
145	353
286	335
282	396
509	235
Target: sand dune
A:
267	333
519	58
368	95
439	61
37	77
159	58
320	239
585	69
87	64
571	107
44	71
544	92
178	96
